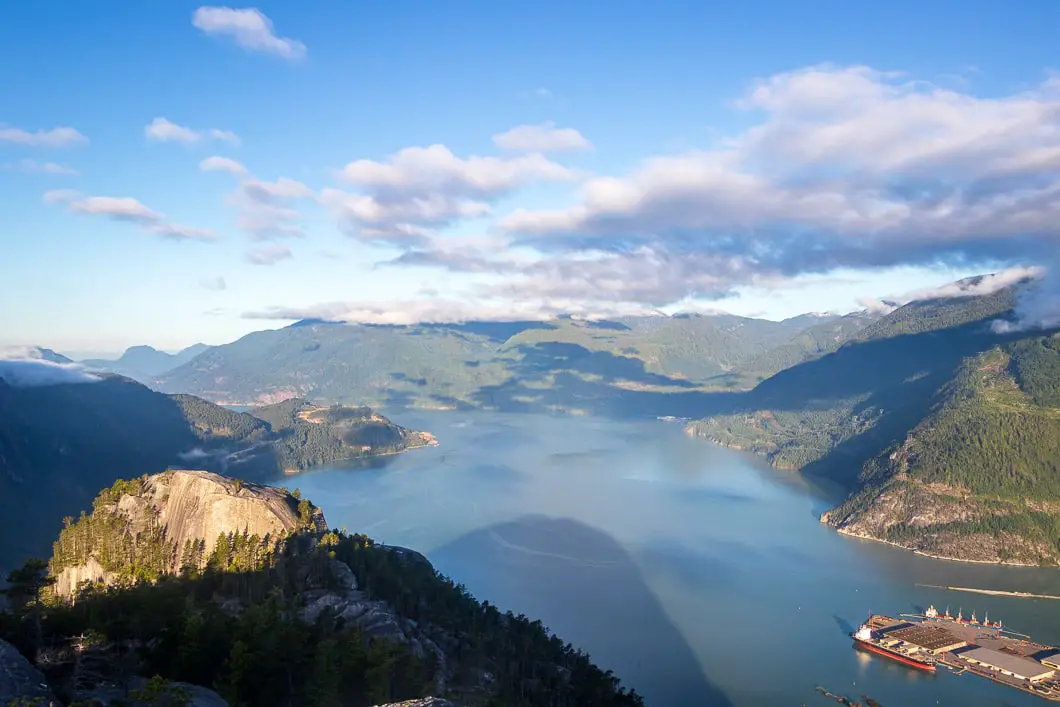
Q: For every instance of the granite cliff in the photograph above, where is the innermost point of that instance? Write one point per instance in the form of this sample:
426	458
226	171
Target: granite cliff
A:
155	524
60	443
203	581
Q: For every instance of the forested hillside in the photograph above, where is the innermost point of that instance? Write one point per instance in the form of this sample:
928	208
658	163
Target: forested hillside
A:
306	435
927	402
60	443
979	478
560	364
310	617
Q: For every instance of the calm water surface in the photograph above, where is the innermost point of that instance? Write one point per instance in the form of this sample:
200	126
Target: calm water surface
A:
699	575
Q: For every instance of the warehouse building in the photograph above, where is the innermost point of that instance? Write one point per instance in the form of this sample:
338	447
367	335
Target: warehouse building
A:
933	639
1052	660
1007	664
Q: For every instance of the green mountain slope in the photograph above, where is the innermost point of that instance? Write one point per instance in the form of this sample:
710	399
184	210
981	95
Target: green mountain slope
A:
897	382
308	435
59	443
840	409
292	615
817	339
511	366
979	477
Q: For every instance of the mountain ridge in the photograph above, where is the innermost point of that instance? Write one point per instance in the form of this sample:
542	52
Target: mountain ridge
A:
851	415
274	609
60	443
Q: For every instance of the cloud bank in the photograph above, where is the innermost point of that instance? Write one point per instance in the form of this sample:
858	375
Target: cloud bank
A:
839	168
23	368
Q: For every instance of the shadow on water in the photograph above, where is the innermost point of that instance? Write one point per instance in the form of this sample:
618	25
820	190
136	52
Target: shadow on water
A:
582	584
845	626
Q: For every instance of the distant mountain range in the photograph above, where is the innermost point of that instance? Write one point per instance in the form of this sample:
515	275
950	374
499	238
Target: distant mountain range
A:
32	353
564	364
862	399
143	363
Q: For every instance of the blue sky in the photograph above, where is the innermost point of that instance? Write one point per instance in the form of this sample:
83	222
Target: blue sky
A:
762	158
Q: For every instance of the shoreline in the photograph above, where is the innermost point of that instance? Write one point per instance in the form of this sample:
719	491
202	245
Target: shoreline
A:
1004	563
992	592
432	441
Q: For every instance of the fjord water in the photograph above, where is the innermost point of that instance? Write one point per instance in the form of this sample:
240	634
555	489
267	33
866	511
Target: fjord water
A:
699	575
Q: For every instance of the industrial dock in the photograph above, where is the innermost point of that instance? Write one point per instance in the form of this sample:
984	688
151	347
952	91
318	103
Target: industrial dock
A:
964	645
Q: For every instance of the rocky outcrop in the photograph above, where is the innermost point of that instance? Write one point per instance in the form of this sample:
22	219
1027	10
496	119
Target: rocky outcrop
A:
178	508
936	520
70	578
19	680
194	505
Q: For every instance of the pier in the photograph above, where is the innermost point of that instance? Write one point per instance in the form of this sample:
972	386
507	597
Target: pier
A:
963	645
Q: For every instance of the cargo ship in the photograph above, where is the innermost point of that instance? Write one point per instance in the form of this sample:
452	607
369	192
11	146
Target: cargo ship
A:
866	638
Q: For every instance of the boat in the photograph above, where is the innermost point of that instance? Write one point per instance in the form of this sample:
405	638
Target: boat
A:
865	638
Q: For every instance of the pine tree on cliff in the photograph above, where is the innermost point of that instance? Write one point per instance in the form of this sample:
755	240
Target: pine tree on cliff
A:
26	585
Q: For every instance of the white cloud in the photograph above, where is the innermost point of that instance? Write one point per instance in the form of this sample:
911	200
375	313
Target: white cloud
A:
129	210
163	130
222	164
268	254
249	28
968	287
541	138
435	310
37	167
264	207
26	369
421	170
56	137
58	196
848	167
1038	305
976	286
421	188
216	284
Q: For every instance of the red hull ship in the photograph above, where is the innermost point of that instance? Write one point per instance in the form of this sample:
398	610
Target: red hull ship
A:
865	638
880	650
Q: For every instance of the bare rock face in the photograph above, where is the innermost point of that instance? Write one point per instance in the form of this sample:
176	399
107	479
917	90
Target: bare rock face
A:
195	506
19	680
924	512
67	581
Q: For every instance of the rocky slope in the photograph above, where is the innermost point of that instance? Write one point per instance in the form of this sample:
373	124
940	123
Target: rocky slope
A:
19	680
944	429
61	442
213	581
979	478
152	523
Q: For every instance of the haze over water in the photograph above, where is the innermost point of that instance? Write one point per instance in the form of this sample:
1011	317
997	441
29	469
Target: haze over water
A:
699	575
